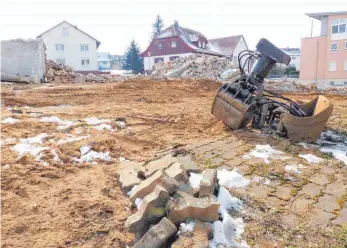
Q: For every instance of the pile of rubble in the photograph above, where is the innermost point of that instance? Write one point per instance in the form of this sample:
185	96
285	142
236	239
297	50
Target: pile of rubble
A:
195	67
63	74
176	203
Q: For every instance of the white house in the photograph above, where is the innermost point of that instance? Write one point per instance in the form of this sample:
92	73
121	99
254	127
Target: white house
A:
67	44
294	54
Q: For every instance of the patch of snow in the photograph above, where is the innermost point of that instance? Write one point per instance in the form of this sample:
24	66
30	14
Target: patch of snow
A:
85	149
103	126
56	157
311	158
231	179
261	180
228	202
93	155
95	121
79	130
265	152
10	120
338	154
293	168
121	159
6	166
35	114
120	124
72	139
23	149
186	228
36	139
138	202
54	119
194	180
132	190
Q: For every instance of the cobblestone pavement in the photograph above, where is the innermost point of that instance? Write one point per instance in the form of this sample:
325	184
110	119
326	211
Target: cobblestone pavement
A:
314	194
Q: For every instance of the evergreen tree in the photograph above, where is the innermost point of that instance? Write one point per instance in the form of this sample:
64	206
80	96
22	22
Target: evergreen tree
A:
132	59
157	27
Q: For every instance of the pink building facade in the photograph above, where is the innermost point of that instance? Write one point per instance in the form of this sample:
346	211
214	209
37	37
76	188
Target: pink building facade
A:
324	58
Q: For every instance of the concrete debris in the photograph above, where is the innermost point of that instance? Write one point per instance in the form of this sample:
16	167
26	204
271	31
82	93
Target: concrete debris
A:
177	172
147	186
196	66
158	235
128	174
151	210
208	182
158	164
188	164
185	206
196	238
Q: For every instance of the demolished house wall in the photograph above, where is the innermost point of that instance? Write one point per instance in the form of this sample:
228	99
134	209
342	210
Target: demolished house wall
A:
23	60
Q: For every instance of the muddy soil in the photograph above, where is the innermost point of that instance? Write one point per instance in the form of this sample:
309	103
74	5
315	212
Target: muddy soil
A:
64	203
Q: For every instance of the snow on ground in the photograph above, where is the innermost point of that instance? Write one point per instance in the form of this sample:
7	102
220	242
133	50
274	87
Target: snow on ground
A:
334	143
231	179
311	158
194	180
132	190
72	139
91	156
24	148
186	228
265	152
227	201
120	124
138	202
293	168
103	126
262	180
95	121
61	123
9	120
36	139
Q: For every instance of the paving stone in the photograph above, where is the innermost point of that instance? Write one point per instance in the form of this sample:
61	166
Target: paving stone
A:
151	210
260	191
185	206
158	235
208	182
327	170
320	217
341	218
320	179
198	238
228	155
158	164
217	160
311	189
336	189
177	172
234	162
147	186
283	192
128	174
328	203
275	202
301	204
188	164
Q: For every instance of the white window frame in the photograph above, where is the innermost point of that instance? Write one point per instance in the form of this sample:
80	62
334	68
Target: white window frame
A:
160	46
173	42
345	65
199	43
83	48
158	60
64	61
338	22
84	62
59	47
330	63
337	46
65	31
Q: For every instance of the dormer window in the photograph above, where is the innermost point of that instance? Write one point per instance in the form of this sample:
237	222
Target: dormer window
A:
65	32
160	46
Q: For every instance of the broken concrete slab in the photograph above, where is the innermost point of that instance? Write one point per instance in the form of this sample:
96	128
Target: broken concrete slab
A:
147	186
198	238
158	235
128	174
151	210
185	206
158	164
188	164
208	182
177	172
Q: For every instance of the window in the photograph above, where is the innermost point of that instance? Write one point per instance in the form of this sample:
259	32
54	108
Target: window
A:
160	46
84	48
157	60
173	44
332	66
333	47
345	65
345	83
199	43
338	26
346	46
104	62
65	32
59	47
332	83
60	61
173	58
85	62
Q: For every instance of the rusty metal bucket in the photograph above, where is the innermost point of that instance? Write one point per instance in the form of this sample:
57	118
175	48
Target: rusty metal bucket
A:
308	129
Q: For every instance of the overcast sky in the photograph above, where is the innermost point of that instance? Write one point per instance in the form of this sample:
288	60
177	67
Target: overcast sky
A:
116	22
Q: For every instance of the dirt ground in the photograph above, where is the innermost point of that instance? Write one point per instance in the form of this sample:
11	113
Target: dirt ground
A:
70	204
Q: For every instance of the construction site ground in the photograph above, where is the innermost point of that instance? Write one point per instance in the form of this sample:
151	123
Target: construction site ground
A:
64	203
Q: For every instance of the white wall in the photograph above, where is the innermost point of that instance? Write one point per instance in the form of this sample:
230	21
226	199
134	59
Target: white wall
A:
72	42
295	61
239	48
149	61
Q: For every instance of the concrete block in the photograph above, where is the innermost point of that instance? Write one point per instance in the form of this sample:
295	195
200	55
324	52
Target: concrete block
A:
208	183
158	164
128	174
177	172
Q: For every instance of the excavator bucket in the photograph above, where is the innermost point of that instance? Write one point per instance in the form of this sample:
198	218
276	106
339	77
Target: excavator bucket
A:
308	129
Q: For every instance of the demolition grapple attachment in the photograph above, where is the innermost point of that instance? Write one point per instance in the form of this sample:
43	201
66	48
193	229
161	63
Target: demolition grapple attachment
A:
245	99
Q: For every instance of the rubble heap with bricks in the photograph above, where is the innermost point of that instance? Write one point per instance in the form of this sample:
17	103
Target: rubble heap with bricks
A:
195	66
176	202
